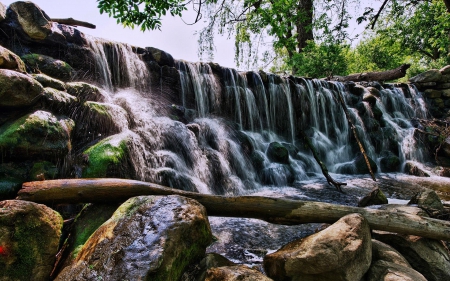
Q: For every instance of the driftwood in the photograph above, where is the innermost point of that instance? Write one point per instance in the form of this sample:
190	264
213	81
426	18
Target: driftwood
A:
74	22
323	168
273	210
387	75
355	134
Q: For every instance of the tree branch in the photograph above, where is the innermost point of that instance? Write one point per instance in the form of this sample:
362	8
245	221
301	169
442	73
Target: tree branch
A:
74	22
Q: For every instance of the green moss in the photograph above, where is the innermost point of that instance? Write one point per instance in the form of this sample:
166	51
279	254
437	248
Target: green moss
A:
43	170
104	155
99	108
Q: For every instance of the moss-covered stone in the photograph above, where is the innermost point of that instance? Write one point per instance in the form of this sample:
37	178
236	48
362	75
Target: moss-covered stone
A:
276	152
361	166
9	60
29	238
375	197
389	162
59	101
43	170
36	134
18	90
108	158
86	92
50	82
52	67
159	235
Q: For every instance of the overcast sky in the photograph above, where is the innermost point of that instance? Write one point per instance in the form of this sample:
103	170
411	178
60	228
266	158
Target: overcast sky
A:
175	37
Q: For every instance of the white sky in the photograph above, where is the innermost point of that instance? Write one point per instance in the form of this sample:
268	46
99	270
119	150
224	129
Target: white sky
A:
175	37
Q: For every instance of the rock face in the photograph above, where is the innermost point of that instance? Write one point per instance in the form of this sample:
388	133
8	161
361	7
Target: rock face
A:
147	238
33	21
18	90
39	134
9	60
29	238
342	251
235	273
427	256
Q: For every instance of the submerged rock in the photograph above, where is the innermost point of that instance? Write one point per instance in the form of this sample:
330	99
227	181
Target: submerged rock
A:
276	152
18	90
343	251
9	60
29	239
52	67
147	238
39	134
235	273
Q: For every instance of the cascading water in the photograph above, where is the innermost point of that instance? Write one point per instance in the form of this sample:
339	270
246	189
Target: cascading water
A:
242	130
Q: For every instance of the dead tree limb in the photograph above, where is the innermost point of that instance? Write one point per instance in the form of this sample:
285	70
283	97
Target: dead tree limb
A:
323	167
273	210
387	75
355	134
74	22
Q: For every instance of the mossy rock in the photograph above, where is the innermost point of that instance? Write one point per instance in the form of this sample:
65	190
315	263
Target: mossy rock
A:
257	159
39	134
361	165
18	90
29	235
9	60
85	91
389	162
276	152
52	67
109	158
50	82
375	197
43	170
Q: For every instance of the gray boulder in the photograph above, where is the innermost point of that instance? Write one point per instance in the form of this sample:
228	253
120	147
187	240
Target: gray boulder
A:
432	75
18	90
29	234
147	238
31	19
342	251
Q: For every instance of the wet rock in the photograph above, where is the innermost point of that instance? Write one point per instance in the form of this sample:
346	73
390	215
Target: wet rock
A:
198	271
52	67
373	91
9	60
361	165
235	273
343	251
427	200
86	92
31	19
432	75
109	158
147	238
18	90
433	94
389	162
383	270
258	160
59	101
43	170
375	197
428	256
161	57
358	90
2	11
384	252
50	82
412	169
29	239
39	134
277	175
276	152
172	178
368	97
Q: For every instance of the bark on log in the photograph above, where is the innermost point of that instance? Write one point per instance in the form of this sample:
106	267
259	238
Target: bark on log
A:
387	75
273	210
74	22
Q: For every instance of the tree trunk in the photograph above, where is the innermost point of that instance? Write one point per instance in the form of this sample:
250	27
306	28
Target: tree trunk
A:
273	210
74	22
387	75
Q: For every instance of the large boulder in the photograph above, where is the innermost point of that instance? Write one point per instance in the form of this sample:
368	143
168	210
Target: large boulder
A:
29	239
428	200
428	256
9	60
31	19
389	162
2	11
235	273
361	166
384	252
388	271
18	90
59	101
432	75
39	134
342	251
147	238
86	92
52	67
276	152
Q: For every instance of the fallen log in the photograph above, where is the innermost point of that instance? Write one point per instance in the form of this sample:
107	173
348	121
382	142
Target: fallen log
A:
74	22
387	75
273	210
